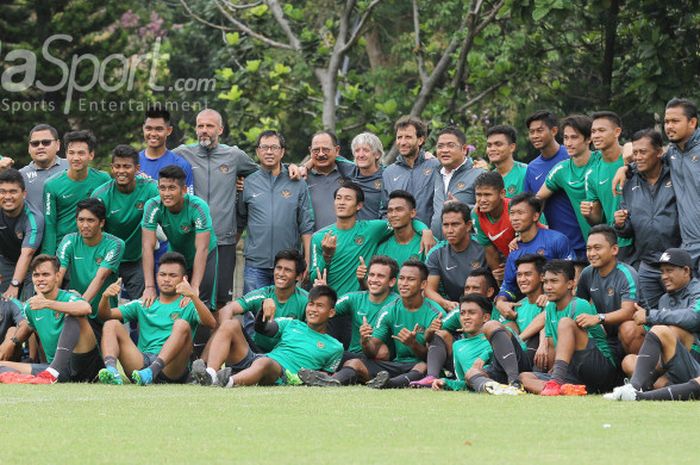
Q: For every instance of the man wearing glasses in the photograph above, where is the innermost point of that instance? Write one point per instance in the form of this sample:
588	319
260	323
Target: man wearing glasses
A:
44	144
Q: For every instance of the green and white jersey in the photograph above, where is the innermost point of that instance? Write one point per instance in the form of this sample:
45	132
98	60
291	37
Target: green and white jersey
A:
48	323
156	322
576	307
82	262
125	212
401	252
599	188
527	311
567	177
514	181
467	350
396	316
294	307
302	347
61	196
359	306
182	227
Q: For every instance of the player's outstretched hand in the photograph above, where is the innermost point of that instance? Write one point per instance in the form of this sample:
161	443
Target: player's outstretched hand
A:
438	385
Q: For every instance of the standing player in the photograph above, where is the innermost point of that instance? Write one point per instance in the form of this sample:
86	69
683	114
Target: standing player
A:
405	243
500	148
64	190
367	151
166	329
44	145
124	198
156	156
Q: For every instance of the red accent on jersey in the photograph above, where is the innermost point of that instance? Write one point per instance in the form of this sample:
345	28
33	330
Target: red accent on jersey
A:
500	233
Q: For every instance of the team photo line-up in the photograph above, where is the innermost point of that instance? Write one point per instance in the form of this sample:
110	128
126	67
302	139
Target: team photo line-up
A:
570	275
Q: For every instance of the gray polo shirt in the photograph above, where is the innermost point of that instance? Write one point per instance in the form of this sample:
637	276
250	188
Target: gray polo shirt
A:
10	315
23	231
682	309
322	187
34	178
685	174
372	187
215	171
453	267
461	186
276	211
419	181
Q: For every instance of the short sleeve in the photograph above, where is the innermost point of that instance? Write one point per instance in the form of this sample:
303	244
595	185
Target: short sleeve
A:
151	215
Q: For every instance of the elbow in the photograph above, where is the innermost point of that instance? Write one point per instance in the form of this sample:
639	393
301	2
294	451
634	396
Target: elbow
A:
83	310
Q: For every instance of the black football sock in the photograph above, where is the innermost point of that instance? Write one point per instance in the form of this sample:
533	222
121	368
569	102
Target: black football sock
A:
437	354
478	382
404	380
559	371
647	359
685	391
157	366
70	334
504	353
346	376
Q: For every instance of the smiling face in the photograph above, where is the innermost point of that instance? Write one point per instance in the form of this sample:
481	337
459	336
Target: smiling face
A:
270	152
410	282
323	152
528	278
319	311
379	280
172	194
540	135
399	213
488	198
574	142
523	216
79	156
285	274
599	251
499	148
408	142
11	197
124	170
472	317
645	155
365	157
45	278
346	205
156	132
674	278
604	134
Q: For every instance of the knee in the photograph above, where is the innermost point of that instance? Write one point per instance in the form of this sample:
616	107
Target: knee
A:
628	331
354	363
471	373
111	325
661	331
566	323
490	328
445	336
421	367
230	326
181	326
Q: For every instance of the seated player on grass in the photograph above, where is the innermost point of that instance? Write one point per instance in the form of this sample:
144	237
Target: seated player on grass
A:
58	317
166	328
678	309
583	360
11	317
487	356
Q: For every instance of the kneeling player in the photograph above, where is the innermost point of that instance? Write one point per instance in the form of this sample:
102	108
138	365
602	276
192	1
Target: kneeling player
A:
59	319
166	328
583	359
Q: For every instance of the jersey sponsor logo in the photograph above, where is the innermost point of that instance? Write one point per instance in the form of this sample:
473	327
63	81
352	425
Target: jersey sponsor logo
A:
224	168
39	318
185	228
377	184
494	237
449	268
634	188
320	345
428	171
397	178
604	181
461	185
286	194
611	291
359	240
112	212
66	196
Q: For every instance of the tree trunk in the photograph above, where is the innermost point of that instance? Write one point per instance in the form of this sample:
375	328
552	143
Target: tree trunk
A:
609	54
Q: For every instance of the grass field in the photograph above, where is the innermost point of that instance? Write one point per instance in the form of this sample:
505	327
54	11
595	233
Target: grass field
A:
92	424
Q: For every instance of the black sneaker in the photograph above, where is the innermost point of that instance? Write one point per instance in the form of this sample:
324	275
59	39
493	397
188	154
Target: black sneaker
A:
199	373
223	375
317	378
380	381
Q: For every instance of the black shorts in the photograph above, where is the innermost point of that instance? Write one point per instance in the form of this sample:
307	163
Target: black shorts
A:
394	368
84	367
496	372
347	355
682	367
132	277
207	288
150	357
247	361
225	270
590	367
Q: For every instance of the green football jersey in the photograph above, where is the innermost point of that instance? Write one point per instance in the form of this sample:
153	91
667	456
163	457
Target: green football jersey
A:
514	181
359	306
467	350
571	179
302	347
182	227
526	313
82	262
48	324
156	322
294	307
401	252
61	196
599	188
451	322
395	316
125	212
575	308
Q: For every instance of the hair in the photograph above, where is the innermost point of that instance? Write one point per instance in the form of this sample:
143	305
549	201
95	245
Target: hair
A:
173	172
690	110
409	120
457	207
347	184
579	123
546	116
370	140
611	116
126	151
508	131
407	196
323	291
94	206
473	298
158	113
292	255
387	261
331	134
653	135
415	263
558	266
538	260
43	258
12	176
44	127
604	230
272	133
486	274
173	258
455	131
80	136
529	198
490	179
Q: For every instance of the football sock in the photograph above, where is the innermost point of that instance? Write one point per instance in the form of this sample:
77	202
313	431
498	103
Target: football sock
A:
559	371
110	362
212	373
346	376
647	359
437	354
64	349
685	391
504	353
404	380
478	381
157	366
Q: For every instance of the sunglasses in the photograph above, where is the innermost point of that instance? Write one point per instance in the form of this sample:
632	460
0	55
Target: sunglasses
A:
44	142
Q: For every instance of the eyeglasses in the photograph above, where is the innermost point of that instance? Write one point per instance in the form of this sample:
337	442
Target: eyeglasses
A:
265	148
44	142
324	150
448	145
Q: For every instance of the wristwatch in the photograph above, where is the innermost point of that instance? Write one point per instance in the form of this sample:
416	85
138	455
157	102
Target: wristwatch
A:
15	283
16	341
601	317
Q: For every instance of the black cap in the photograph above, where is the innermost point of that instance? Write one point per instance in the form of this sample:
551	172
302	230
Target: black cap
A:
675	257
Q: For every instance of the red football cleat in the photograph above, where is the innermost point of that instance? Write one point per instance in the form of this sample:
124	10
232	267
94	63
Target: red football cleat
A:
573	390
43	378
552	388
15	378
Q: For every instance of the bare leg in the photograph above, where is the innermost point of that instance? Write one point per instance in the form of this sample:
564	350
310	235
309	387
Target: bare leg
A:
264	371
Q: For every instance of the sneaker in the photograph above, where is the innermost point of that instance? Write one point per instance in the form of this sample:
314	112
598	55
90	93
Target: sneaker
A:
43	377
498	389
142	377
15	378
110	375
573	390
379	381
317	378
200	374
426	382
292	379
223	375
552	388
624	392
